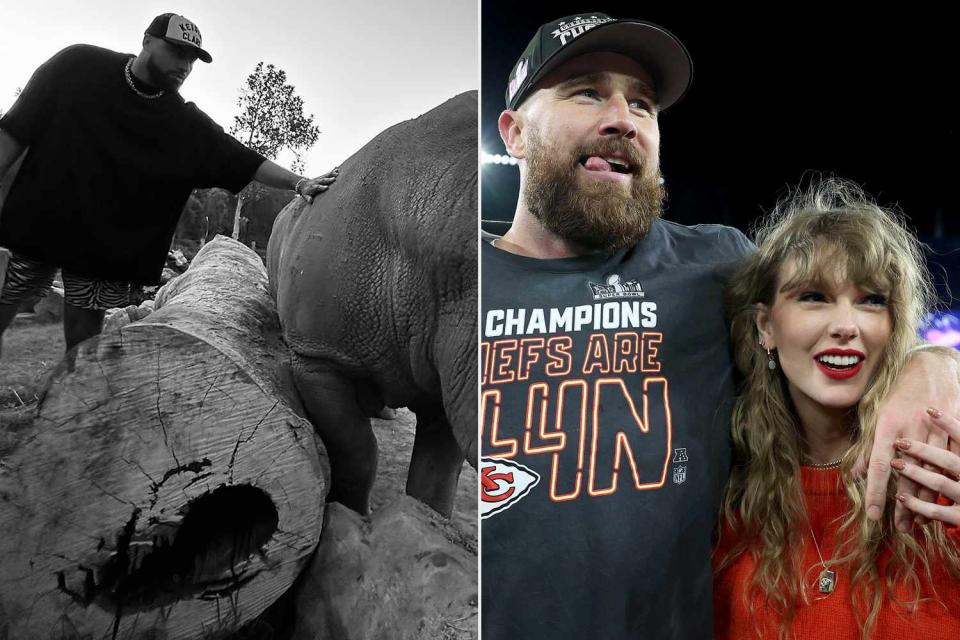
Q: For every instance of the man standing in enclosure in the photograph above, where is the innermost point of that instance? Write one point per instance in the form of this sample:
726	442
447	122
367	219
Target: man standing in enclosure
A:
112	154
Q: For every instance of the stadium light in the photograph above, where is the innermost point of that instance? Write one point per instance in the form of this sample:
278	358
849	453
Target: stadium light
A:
496	158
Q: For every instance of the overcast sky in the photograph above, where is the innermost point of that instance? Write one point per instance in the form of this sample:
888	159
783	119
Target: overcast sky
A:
359	66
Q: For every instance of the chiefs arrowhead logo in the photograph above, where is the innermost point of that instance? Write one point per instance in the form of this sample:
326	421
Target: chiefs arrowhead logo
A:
502	484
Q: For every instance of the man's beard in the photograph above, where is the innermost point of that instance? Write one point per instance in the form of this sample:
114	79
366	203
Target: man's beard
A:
596	215
162	79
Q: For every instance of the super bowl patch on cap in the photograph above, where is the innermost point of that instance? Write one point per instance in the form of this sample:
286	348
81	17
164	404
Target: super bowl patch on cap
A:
571	28
661	54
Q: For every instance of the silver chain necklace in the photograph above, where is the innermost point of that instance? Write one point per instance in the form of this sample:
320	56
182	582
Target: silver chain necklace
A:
827	580
129	78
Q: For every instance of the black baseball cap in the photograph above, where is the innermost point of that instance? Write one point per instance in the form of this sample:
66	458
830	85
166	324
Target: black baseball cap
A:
178	30
660	52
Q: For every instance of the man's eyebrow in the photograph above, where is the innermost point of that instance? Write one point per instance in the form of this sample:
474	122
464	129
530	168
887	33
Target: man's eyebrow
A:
599	76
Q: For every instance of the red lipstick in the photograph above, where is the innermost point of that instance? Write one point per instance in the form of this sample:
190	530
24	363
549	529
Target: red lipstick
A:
840	374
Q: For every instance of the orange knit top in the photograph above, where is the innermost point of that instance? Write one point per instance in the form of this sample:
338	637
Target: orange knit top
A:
830	617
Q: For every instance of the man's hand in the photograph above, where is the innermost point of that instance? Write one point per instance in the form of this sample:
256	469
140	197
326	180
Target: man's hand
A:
928	380
310	187
273	175
943	482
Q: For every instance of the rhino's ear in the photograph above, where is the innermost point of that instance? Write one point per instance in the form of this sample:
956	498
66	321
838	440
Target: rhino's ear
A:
511	132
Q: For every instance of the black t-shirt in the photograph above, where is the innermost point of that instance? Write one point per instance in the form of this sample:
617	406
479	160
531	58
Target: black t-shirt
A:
606	397
108	172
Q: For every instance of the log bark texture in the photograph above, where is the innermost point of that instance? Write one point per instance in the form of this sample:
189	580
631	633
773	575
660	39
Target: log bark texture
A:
168	486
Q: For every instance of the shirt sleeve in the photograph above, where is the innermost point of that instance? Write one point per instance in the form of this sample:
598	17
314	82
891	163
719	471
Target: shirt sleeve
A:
229	164
736	247
38	99
743	246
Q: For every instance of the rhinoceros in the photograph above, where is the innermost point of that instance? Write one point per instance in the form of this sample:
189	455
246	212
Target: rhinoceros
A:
376	288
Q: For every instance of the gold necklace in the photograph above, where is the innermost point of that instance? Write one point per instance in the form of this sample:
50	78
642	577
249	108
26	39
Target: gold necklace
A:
827	580
824	465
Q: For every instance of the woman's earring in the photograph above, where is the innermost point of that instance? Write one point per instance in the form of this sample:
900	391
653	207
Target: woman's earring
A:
771	362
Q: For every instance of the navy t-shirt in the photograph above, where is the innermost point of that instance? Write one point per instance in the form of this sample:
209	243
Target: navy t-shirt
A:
108	172
606	395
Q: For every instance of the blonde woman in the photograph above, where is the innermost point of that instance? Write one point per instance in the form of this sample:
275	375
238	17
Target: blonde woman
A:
823	317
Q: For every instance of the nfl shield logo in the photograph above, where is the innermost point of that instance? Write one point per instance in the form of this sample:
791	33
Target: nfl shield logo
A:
679	474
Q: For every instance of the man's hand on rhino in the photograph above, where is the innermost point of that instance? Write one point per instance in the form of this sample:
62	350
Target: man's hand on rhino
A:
307	188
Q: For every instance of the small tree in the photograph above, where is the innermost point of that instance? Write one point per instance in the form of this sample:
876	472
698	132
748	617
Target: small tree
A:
271	119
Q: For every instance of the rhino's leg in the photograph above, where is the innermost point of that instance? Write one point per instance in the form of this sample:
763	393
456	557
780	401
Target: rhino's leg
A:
332	406
436	461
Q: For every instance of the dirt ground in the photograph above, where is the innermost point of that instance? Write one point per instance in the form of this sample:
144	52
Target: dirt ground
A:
31	349
395	441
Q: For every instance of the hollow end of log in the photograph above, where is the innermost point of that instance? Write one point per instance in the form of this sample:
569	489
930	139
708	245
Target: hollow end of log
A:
198	553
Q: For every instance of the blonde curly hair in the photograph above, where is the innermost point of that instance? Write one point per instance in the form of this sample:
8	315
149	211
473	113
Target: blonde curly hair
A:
831	228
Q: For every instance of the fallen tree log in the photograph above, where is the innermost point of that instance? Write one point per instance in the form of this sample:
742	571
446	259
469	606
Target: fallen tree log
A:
167	486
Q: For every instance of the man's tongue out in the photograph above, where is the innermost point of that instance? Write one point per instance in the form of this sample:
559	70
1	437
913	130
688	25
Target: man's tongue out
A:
593	163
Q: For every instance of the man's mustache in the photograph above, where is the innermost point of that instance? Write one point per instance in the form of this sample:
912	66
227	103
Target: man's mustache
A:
612	148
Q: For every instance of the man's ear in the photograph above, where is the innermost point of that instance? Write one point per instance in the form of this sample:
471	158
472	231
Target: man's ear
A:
762	320
511	126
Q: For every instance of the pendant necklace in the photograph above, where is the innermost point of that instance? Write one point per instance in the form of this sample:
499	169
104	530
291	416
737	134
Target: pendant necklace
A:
827	581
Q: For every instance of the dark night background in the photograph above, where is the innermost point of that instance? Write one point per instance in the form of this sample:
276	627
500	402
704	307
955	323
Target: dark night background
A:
777	95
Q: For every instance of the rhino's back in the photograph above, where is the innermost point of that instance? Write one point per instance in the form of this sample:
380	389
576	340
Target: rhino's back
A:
361	276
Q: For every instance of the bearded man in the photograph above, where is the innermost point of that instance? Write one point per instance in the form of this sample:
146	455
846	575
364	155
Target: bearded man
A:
113	152
607	381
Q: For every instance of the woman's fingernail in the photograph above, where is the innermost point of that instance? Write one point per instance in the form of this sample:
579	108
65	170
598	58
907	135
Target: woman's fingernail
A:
901	443
934	413
898	464
902	497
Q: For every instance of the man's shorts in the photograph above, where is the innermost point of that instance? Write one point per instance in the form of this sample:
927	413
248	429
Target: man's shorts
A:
28	280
